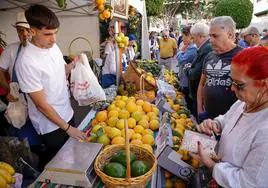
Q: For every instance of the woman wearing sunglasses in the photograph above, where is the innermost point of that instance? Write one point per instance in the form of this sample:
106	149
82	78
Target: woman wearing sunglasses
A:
243	146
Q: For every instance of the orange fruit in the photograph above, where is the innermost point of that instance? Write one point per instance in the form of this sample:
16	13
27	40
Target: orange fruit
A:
102	116
99	2
106	13
101	7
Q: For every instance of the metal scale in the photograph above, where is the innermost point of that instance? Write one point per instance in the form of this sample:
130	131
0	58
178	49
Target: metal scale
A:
73	165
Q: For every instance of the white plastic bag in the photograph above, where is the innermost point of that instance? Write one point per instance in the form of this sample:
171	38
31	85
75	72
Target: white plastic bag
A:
84	84
16	113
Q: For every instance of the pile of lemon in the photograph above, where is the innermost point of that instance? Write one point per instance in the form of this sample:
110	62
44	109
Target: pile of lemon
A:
104	11
142	118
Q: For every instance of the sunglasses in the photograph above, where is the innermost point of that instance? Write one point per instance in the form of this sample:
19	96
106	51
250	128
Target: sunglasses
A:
238	86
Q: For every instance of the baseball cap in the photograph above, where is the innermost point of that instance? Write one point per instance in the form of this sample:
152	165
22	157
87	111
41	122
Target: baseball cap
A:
21	20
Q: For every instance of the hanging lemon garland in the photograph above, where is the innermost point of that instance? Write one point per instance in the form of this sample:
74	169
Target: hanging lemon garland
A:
103	9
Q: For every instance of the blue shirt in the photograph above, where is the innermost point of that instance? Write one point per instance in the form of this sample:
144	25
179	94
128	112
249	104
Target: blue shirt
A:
184	58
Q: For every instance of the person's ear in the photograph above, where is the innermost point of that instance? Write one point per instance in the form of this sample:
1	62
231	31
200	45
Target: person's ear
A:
33	31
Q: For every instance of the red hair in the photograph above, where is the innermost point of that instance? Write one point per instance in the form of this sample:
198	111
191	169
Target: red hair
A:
253	62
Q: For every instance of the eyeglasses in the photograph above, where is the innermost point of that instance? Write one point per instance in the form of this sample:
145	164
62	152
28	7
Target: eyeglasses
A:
238	86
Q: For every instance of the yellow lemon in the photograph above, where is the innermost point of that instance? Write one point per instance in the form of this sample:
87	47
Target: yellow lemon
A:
147	107
111	107
148	139
131	107
114	132
101	116
130	133
101	7
124	114
137	142
112	121
176	107
133	99
136	136
120	103
144	116
138	129
118	140
136	115
144	123
118	97
147	131
181	121
139	102
150	114
154	118
154	125
107	129
139	108
120	124
124	98
113	113
148	147
131	123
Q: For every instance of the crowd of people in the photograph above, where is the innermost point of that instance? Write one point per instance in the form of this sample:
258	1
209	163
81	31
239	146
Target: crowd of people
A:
225	83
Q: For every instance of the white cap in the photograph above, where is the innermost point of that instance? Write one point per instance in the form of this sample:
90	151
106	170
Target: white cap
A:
21	20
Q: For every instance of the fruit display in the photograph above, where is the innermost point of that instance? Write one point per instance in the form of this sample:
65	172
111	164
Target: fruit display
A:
149	66
117	166
127	89
142	118
6	175
170	77
104	10
122	40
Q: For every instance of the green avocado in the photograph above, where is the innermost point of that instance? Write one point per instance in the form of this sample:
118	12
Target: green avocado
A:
138	168
120	157
115	170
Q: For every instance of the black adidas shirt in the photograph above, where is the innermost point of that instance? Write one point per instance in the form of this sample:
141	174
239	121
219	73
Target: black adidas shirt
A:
218	97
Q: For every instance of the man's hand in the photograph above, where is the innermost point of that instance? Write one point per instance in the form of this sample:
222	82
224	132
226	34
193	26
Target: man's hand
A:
11	98
76	133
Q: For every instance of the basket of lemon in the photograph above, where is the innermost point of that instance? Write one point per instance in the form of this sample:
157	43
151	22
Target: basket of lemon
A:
128	165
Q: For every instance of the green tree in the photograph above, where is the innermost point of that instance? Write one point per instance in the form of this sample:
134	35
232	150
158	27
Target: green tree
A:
241	11
154	7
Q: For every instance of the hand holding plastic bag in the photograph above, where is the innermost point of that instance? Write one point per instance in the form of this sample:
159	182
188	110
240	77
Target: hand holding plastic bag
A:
17	112
84	84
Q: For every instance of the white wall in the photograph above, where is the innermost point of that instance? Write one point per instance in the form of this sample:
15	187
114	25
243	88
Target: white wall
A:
70	28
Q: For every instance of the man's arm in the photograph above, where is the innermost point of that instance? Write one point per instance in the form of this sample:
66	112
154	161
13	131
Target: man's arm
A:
200	93
174	52
4	84
3	81
41	104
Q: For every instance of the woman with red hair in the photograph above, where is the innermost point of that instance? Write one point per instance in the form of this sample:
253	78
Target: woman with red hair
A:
243	146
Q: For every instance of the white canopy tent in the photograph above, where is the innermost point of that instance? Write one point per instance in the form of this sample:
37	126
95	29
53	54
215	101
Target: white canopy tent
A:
78	19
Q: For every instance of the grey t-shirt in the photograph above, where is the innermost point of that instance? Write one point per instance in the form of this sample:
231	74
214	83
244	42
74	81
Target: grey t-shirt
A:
218	96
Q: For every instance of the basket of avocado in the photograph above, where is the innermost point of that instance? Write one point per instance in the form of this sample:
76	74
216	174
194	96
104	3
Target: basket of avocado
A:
133	74
126	165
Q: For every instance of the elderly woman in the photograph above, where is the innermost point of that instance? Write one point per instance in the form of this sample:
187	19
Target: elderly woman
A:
185	56
243	146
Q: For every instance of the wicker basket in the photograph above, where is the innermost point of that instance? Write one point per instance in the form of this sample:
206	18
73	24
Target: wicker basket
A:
141	94
132	75
141	153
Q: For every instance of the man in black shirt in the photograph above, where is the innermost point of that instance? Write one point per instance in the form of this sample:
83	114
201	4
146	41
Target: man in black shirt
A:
214	95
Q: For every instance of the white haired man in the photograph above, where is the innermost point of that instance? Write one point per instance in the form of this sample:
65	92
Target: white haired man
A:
200	36
168	50
214	96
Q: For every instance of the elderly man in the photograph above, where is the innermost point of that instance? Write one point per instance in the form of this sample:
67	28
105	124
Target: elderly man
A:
199	33
252	36
168	49
7	66
214	96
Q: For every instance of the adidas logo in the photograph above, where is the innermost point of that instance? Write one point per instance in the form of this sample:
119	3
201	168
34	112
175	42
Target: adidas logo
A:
218	70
